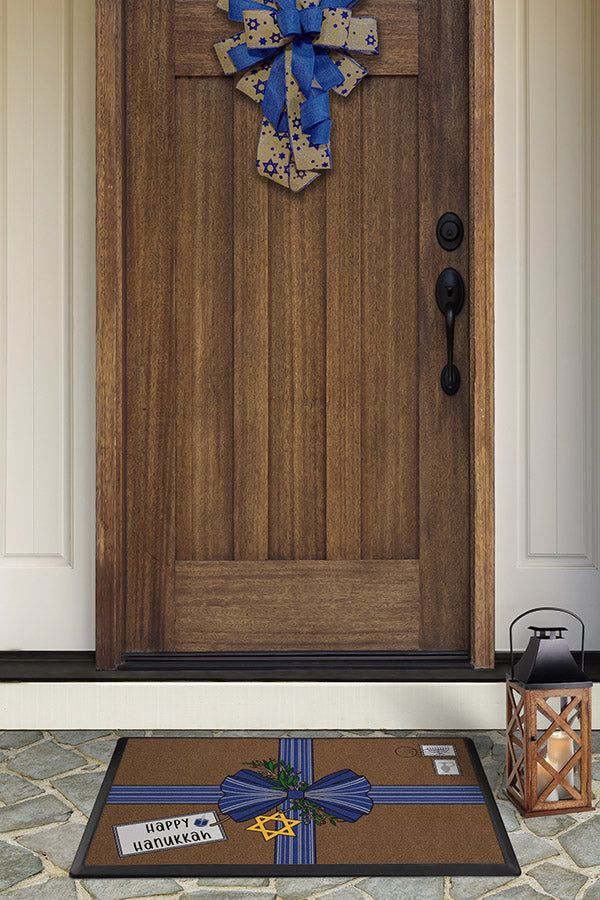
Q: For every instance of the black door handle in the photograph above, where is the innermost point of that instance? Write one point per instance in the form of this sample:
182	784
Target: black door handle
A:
450	296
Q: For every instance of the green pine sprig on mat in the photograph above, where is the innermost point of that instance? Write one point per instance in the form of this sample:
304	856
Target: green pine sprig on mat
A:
284	778
309	810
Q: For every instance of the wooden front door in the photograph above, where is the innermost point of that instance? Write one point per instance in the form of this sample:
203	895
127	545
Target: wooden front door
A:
279	467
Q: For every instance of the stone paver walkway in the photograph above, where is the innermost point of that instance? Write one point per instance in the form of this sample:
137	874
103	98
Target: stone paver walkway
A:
49	780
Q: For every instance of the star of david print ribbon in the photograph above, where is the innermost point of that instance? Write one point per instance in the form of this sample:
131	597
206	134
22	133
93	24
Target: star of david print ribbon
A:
343	794
293	53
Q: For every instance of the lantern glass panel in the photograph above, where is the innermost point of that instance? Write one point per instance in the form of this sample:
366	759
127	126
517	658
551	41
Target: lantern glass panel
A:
558	745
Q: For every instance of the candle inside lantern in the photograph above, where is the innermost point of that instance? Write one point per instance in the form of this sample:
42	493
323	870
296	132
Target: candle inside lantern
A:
544	778
560	751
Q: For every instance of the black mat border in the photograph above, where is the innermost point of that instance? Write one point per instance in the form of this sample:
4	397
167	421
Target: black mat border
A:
80	870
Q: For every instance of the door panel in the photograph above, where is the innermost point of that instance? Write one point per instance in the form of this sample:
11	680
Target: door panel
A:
296	477
330	394
389	364
332	386
199	25
288	605
204	314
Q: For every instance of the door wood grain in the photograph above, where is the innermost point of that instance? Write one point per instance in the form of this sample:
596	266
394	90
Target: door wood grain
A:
294	478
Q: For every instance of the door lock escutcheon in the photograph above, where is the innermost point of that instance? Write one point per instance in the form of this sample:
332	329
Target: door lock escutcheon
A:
450	297
450	231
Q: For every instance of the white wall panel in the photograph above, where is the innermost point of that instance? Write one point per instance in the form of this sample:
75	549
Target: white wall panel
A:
46	323
547	305
560	407
37	295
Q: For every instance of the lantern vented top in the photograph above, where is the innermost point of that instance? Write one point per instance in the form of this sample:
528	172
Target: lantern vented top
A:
548	662
549	632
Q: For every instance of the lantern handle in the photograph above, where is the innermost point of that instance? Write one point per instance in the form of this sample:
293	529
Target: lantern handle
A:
543	609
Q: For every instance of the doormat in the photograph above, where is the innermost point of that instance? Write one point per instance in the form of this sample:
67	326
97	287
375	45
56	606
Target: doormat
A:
294	806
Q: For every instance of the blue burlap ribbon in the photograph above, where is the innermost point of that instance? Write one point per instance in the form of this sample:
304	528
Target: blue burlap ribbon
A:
312	66
309	64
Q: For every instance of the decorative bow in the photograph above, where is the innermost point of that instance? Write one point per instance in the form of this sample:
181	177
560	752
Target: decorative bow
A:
295	52
343	794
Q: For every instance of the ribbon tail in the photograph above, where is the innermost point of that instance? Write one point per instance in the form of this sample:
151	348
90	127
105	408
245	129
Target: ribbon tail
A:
307	156
315	117
327	74
273	104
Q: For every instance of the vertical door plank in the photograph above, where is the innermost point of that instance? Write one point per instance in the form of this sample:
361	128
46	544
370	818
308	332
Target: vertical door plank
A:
389	341
344	191
443	421
110	340
297	246
203	289
251	340
150	113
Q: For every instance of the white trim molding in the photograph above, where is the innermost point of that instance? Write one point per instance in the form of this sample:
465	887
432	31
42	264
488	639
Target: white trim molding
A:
47	314
256	705
547	309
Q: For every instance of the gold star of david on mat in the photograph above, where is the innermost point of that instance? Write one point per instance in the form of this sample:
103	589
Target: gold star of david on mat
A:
287	826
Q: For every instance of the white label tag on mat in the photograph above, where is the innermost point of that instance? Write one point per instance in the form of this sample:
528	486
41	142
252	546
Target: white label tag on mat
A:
438	749
446	767
168	834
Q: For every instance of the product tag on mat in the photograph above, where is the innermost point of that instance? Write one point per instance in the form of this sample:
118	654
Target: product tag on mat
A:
438	749
446	767
168	834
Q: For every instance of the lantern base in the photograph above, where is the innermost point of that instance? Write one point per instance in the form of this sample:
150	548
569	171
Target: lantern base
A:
556	808
563	811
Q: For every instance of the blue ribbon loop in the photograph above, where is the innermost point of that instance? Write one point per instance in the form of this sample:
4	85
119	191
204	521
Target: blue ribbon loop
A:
237	7
311	19
294	21
343	794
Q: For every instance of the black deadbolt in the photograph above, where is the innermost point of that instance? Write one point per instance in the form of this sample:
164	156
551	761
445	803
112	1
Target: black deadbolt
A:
450	231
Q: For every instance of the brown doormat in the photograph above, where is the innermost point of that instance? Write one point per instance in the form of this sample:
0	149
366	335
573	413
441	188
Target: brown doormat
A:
294	806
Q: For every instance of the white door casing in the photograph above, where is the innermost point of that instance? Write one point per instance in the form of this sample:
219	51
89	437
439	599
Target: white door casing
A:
47	333
547	149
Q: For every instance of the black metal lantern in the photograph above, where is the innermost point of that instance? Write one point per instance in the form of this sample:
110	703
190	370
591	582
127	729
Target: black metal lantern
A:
548	730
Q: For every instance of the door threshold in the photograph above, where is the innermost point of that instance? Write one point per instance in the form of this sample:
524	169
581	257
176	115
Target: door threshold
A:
80	666
317	662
